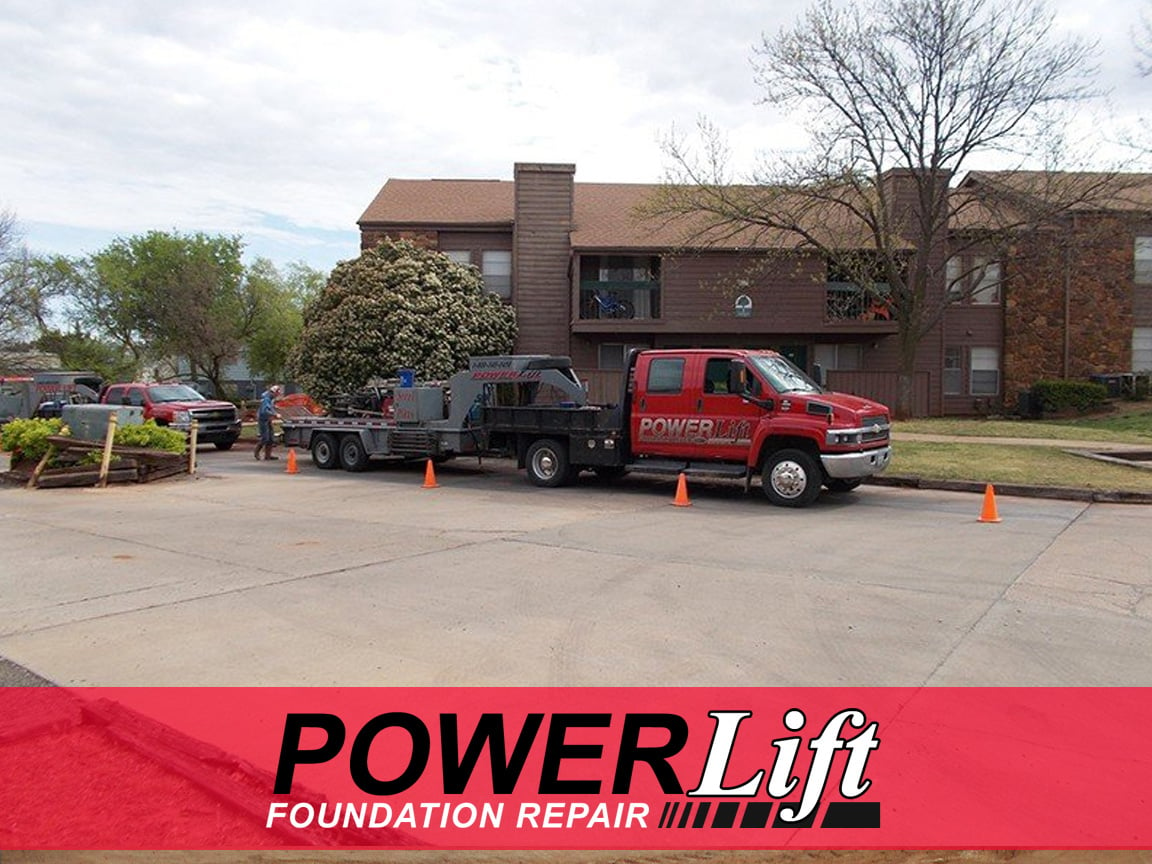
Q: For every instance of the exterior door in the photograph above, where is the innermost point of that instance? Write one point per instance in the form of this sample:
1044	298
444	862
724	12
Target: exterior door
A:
664	406
727	421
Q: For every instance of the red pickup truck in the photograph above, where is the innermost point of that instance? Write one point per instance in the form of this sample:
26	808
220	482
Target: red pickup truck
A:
177	405
722	412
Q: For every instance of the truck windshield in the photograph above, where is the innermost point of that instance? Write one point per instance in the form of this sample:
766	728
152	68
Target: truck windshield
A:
783	376
173	393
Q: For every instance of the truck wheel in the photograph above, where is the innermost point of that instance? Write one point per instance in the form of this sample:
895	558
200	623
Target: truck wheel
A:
324	452
352	454
791	478
843	485
547	463
224	445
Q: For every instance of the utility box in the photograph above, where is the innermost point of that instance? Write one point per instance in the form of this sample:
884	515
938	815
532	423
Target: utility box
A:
90	422
418	404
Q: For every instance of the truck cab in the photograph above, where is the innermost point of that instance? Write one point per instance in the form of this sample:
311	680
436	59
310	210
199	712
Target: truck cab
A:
177	405
741	412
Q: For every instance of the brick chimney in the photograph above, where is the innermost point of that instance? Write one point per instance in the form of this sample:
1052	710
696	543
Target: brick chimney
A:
541	256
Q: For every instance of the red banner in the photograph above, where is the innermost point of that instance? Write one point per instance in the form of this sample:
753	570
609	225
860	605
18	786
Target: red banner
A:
575	768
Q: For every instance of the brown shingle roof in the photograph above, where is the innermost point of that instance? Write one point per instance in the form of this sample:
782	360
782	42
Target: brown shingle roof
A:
442	202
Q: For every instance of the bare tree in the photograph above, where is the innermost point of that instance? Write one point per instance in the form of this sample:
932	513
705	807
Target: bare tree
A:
898	97
25	290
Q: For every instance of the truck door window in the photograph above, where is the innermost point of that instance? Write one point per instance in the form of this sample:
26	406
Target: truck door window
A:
666	375
716	374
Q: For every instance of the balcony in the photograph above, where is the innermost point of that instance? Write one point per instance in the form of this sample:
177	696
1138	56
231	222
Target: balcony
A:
619	300
848	303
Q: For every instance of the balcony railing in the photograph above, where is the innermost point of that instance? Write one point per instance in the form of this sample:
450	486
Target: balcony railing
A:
619	300
846	301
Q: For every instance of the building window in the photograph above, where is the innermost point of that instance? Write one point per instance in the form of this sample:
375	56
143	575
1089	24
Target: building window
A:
666	375
1143	274
613	355
496	268
847	357
1142	349
458	256
972	278
953	371
986	282
619	286
984	365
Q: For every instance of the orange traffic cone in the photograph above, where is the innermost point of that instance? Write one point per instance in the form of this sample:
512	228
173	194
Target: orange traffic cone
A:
989	514
430	477
291	468
681	499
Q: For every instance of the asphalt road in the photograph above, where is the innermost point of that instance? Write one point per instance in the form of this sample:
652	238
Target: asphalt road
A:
248	575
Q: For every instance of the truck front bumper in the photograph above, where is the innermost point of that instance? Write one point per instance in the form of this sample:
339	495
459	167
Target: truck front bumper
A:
847	466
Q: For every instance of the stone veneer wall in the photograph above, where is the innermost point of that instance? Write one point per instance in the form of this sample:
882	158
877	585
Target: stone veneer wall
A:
1091	265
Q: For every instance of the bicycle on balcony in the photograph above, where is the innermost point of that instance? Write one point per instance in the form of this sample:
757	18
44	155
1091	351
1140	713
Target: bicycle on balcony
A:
605	304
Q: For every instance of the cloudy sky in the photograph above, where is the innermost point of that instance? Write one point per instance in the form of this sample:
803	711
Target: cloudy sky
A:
280	119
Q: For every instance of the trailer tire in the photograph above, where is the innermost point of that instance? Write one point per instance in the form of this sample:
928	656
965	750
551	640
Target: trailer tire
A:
353	456
325	454
791	478
547	463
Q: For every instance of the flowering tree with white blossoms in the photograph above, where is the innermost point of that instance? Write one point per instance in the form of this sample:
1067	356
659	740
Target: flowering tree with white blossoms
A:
397	306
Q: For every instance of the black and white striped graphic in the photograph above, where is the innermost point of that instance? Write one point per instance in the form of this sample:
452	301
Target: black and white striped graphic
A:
760	814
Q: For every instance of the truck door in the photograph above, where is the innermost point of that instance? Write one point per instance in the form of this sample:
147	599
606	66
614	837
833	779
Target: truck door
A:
664	412
727	420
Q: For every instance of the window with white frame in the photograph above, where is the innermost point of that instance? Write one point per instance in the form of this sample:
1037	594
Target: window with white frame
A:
953	378
1143	274
974	278
1142	349
984	371
986	281
496	268
458	256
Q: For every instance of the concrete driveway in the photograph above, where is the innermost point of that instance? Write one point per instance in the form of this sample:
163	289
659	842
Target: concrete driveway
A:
248	575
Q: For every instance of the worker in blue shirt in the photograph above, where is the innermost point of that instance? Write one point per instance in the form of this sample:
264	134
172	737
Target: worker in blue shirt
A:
265	414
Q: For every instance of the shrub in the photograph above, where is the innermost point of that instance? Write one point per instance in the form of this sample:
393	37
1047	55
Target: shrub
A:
27	440
148	434
1081	396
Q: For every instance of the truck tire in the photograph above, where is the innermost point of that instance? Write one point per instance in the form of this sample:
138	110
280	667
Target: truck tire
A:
353	457
547	463
325	454
791	478
224	445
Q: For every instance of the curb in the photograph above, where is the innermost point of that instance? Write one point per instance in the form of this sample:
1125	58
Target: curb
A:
1063	493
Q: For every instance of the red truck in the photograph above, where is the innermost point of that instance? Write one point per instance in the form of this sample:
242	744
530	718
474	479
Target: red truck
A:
735	413
177	405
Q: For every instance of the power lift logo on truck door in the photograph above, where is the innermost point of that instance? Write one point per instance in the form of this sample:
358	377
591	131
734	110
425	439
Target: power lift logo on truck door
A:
554	779
695	430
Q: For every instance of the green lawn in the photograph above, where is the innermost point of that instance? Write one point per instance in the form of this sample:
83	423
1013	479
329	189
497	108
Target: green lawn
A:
1039	466
1130	423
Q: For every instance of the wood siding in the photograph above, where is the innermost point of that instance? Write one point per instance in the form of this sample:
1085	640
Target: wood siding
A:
542	252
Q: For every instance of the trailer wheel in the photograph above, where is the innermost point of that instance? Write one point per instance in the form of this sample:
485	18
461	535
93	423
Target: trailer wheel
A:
791	478
547	463
324	452
353	457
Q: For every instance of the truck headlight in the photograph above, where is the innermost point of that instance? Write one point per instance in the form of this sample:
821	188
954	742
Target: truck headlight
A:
182	418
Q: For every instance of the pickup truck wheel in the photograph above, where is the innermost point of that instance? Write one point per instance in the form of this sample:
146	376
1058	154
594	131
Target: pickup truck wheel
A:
224	445
547	463
352	454
324	452
791	478
843	485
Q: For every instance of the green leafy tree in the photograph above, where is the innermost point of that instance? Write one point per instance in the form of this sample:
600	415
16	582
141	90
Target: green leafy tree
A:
397	306
169	295
28	284
280	298
79	350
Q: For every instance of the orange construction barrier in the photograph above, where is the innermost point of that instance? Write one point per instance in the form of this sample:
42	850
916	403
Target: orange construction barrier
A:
291	466
681	499
430	476
988	513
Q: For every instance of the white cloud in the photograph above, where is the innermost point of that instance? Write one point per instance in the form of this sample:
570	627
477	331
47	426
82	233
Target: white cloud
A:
280	120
